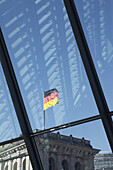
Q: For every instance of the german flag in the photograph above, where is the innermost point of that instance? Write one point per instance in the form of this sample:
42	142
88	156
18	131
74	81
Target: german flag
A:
50	98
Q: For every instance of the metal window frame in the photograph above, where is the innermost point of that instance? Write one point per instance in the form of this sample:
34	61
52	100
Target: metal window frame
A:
90	69
28	136
19	105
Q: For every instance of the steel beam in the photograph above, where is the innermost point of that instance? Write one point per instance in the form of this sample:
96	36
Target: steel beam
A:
56	128
19	105
90	69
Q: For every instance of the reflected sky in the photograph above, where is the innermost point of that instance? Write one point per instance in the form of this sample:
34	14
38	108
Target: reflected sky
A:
9	128
44	54
96	18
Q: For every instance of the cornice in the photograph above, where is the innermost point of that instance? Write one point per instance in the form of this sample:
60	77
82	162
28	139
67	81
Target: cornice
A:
13	150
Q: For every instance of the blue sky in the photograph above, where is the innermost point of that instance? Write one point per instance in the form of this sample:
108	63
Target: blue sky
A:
44	54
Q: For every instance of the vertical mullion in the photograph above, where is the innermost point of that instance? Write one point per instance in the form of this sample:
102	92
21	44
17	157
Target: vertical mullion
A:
90	69
19	106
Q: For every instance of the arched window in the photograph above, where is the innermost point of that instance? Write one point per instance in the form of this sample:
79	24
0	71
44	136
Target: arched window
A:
77	166
64	165
51	164
15	166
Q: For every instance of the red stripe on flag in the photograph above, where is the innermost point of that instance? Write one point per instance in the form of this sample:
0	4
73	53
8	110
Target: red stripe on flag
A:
50	97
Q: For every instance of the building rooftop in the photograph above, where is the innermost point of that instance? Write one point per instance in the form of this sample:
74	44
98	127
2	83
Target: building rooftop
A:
53	138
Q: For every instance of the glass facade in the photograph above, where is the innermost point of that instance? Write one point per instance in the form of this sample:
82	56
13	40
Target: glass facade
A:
8	120
45	55
96	19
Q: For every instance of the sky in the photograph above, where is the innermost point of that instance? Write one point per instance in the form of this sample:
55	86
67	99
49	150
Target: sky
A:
45	55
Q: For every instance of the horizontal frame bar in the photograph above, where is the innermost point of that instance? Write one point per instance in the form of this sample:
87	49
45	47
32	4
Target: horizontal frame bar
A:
63	126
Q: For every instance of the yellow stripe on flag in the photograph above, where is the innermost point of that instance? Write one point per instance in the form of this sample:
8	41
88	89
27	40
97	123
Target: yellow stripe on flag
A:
50	103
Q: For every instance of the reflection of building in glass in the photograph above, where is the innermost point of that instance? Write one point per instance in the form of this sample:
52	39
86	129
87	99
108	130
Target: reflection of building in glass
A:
16	25
45	56
95	27
57	152
103	161
97	18
7	117
43	51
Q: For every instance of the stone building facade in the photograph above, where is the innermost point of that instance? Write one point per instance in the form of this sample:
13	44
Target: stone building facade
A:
58	152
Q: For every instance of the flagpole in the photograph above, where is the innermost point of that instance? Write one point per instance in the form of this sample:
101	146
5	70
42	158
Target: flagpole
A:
43	113
43	119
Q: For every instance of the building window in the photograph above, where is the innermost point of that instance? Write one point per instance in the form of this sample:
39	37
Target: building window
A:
64	165
77	166
51	164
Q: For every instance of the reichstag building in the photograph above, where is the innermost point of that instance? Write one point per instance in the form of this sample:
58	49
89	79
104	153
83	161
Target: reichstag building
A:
57	152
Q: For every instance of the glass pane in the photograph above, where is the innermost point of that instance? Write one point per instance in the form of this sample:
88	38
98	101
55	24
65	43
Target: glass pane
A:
44	54
9	127
96	18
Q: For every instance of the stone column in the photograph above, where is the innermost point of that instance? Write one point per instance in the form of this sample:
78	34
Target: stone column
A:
5	165
59	162
72	162
9	165
0	165
31	166
27	162
19	164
